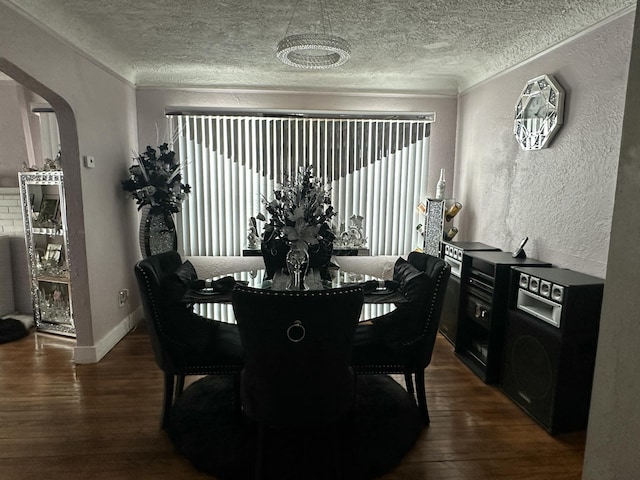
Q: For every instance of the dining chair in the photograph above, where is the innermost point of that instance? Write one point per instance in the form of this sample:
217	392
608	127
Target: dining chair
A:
402	342
183	342
297	348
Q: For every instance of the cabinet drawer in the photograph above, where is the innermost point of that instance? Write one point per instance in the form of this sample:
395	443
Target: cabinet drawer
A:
479	311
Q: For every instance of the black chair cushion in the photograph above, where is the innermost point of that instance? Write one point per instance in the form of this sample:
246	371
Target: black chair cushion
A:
177	283
195	339
407	320
218	343
420	260
372	346
392	329
174	286
413	282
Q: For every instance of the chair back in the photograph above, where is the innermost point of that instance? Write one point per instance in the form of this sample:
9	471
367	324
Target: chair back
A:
297	348
420	349
150	272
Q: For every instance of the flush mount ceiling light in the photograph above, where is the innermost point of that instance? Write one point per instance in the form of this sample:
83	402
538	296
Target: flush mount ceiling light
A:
316	49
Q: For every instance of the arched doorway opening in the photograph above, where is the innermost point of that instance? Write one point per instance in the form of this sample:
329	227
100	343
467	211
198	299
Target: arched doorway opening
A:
75	212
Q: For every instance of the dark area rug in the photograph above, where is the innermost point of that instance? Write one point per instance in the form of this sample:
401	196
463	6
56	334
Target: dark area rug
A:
206	428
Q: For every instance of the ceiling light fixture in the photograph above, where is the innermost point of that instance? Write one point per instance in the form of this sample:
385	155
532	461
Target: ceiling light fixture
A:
313	50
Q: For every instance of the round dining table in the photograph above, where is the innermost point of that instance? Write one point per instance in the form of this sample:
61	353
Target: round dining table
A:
216	302
218	289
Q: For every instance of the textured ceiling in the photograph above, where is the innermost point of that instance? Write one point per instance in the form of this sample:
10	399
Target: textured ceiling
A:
434	46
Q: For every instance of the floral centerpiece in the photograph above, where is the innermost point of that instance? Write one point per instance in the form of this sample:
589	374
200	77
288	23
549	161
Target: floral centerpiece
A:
300	213
155	180
156	185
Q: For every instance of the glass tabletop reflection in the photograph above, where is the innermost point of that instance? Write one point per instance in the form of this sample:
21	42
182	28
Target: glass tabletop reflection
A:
218	305
219	289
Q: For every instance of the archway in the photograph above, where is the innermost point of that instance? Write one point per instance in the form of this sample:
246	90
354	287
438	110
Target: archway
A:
75	211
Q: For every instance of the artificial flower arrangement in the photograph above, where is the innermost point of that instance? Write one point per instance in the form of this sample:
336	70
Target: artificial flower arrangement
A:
300	212
155	180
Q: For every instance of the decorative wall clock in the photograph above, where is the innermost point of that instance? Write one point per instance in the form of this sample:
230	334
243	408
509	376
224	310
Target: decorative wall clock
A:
539	113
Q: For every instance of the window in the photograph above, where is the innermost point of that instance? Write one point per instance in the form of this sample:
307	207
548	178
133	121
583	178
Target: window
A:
377	168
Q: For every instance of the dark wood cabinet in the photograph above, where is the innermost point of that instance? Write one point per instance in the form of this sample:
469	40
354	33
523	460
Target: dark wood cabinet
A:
482	315
453	254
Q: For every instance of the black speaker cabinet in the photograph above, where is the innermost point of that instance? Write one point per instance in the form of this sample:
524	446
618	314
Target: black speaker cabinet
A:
550	345
482	318
448	326
453	254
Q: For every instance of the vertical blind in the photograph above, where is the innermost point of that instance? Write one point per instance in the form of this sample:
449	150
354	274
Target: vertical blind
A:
49	135
376	168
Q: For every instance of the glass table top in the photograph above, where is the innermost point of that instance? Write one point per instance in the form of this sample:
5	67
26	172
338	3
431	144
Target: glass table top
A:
314	280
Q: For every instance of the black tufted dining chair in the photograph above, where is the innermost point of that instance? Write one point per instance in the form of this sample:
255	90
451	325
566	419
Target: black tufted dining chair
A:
402	341
297	348
183	342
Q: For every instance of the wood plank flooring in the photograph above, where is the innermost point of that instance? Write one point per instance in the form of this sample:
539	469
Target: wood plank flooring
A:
59	420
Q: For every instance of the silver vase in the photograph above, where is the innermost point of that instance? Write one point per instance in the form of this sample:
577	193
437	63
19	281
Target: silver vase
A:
297	265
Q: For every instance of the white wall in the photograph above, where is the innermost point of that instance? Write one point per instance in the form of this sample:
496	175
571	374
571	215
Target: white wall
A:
103	107
12	137
561	197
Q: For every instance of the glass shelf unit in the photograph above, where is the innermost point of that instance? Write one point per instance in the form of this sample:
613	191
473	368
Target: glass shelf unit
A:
46	237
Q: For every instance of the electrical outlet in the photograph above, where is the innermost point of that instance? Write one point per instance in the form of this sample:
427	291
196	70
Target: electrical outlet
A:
123	296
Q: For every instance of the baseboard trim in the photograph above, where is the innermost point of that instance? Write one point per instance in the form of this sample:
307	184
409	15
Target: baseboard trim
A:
94	353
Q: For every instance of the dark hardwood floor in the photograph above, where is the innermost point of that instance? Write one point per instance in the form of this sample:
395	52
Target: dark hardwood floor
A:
64	421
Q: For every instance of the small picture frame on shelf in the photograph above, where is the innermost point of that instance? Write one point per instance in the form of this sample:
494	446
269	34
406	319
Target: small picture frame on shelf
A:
54	253
48	215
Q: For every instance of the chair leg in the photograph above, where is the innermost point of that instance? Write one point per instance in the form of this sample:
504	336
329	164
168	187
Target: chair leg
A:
422	397
237	401
408	382
260	439
343	441
168	399
180	384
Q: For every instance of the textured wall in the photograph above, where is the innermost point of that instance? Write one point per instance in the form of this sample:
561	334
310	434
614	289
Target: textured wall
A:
561	197
614	422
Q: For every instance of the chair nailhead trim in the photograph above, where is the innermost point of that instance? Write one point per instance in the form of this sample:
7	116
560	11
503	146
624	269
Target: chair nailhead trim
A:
306	293
432	306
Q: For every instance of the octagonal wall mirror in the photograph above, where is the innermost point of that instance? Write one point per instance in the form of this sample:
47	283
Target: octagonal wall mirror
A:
539	113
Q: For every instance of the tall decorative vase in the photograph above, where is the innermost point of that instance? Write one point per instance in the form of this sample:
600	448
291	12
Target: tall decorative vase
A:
440	186
157	231
297	264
